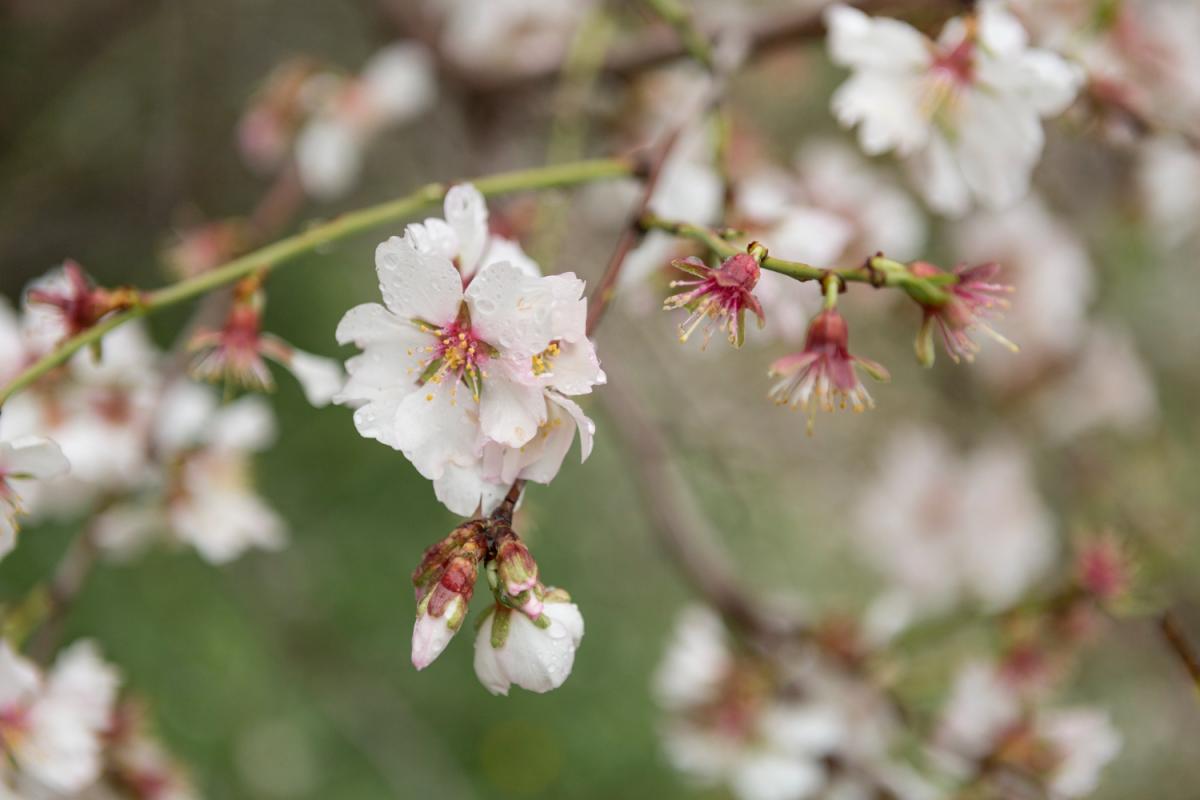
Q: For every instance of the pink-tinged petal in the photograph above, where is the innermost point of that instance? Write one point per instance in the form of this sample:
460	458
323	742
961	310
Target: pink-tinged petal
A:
859	41
417	285
792	363
587	428
35	457
320	378
510	413
467	213
510	310
431	635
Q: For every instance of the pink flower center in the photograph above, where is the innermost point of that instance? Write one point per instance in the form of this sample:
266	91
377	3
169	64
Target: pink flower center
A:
459	353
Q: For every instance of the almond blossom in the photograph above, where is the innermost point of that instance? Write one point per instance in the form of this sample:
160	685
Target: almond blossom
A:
25	459
728	726
990	715
473	352
964	112
511	649
100	413
945	528
52	724
509	34
204	496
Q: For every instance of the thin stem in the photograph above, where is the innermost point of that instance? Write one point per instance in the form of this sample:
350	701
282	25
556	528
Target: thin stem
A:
694	42
878	271
284	251
68	581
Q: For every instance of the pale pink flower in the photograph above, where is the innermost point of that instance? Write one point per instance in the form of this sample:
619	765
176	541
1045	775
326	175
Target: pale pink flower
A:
944	527
52	724
964	111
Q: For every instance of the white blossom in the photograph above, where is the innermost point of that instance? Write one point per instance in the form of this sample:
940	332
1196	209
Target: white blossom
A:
52	724
509	34
944	528
529	655
100	413
29	458
727	727
964	112
1085	742
467	365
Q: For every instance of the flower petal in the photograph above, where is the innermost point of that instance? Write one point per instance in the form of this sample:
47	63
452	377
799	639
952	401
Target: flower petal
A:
417	285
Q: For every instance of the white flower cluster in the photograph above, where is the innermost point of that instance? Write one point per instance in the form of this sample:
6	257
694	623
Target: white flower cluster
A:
770	732
469	366
147	458
964	112
68	737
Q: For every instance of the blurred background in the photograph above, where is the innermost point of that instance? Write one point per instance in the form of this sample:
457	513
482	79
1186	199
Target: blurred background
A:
287	675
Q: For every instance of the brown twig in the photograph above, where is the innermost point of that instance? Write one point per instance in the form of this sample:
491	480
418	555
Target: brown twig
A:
69	579
686	536
1181	647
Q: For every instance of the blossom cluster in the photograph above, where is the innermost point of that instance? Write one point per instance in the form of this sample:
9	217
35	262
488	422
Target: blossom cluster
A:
69	735
470	364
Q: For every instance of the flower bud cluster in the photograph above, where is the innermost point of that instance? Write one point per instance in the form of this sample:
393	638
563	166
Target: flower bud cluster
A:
530	633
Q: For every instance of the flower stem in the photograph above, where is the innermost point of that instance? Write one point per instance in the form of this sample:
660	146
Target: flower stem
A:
286	250
694	42
878	271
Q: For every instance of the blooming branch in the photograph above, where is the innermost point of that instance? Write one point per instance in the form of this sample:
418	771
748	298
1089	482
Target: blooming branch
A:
284	251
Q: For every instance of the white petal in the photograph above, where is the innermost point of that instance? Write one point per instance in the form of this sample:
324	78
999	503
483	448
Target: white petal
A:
19	677
328	157
431	635
184	414
33	457
857	40
887	108
771	776
320	378
460	488
8	530
399	80
510	310
940	179
417	285
509	412
247	425
501	249
467	213
434	427
487	659
433	236
1000	32
1044	81
998	147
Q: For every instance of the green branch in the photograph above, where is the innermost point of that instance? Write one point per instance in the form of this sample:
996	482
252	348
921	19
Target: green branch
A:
286	250
877	271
